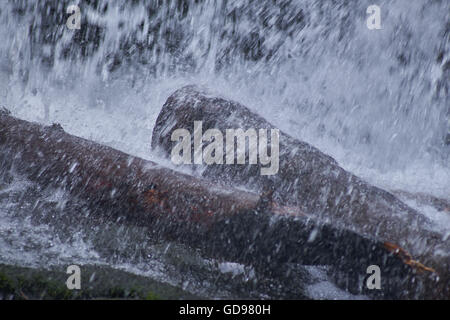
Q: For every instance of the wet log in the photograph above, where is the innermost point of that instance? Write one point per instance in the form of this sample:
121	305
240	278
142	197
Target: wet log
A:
440	204
110	178
223	222
308	179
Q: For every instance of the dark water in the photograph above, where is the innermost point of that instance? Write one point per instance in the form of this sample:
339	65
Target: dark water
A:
376	100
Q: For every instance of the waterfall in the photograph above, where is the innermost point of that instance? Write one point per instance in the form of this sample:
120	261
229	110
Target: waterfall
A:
376	100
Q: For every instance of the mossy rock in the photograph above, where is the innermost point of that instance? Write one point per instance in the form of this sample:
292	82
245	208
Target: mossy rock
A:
97	282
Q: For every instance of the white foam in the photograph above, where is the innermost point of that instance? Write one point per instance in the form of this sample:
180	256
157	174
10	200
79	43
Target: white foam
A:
324	289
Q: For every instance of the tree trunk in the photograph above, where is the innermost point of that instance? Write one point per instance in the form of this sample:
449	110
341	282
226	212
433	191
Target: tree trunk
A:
223	222
307	180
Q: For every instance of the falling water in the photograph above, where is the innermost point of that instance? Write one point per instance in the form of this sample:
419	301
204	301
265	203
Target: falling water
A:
376	100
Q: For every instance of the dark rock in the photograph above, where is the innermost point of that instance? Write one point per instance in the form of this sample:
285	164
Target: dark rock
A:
97	282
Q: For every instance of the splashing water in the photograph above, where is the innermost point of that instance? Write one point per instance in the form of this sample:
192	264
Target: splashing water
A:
376	100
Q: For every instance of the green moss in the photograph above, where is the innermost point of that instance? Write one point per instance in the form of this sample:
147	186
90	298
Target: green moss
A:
6	285
28	283
116	292
34	287
152	296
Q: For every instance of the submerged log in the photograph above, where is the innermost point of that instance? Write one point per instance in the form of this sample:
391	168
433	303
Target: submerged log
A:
223	222
308	179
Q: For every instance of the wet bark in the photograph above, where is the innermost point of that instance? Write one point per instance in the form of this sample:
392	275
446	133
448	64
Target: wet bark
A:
308	179
224	222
